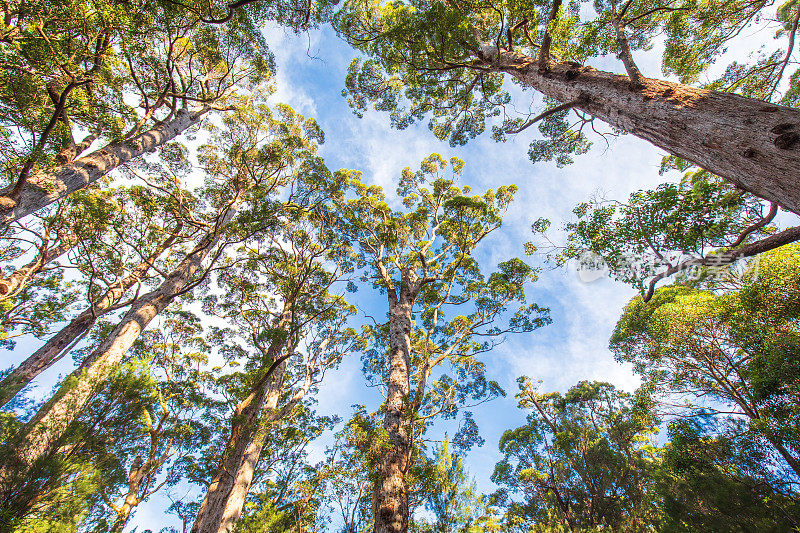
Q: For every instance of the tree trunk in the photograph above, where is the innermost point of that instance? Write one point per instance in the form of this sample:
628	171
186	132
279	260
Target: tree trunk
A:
44	188
72	151
132	498
791	460
37	439
56	347
753	144
224	500
15	282
390	496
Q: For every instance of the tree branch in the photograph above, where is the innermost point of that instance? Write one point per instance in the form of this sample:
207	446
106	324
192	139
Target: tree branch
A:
537	118
544	51
725	258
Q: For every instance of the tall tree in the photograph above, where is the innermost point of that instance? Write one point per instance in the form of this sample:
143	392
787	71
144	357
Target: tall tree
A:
132	438
76	60
285	493
145	225
734	341
448	58
583	461
421	259
254	157
289	328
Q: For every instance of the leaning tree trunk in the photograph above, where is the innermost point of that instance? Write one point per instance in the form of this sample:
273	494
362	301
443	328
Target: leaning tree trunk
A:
224	499
37	439
753	144
44	188
58	345
390	495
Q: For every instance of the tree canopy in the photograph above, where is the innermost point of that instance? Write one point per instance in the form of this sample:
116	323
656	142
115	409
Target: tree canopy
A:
208	327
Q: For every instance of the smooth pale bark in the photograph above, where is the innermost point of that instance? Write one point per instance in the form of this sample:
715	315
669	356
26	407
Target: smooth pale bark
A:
44	188
224	499
390	494
16	281
57	345
753	144
38	438
132	499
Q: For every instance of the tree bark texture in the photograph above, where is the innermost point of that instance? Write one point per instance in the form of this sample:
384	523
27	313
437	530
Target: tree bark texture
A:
37	439
753	144
57	345
224	499
44	188
390	494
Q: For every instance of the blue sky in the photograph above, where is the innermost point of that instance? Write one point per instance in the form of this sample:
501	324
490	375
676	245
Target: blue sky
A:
311	70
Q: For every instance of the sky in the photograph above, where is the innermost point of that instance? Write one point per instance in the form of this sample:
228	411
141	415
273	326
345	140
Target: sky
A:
310	78
311	71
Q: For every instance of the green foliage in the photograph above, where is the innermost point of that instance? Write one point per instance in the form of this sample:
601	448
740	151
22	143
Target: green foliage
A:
662	227
430	244
145	420
435	59
287	495
582	462
728	351
721	482
450	494
76	65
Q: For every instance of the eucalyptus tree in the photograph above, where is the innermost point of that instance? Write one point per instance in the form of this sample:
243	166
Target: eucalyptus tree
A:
702	223
36	295
132	439
451	495
143	226
343	481
583	461
420	258
285	493
288	327
80	221
713	478
255	156
173	404
75	65
448	58
726	347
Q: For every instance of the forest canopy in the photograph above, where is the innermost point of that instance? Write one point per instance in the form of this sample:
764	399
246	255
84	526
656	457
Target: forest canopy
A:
307	266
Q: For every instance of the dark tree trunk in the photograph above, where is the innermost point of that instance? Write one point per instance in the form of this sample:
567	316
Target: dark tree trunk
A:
753	144
390	494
